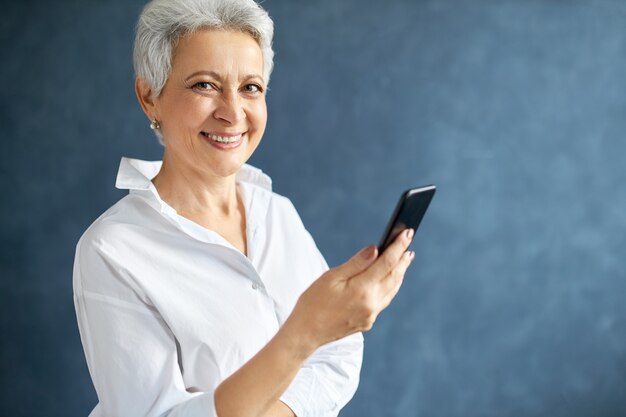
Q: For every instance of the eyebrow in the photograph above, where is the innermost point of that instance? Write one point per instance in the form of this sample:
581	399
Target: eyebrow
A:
219	78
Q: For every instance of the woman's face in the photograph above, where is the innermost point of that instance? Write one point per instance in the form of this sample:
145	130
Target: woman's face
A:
212	108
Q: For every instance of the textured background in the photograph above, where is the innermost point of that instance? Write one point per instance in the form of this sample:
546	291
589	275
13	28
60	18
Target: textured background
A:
515	305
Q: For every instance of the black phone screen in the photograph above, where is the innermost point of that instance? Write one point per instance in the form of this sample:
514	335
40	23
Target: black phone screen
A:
408	213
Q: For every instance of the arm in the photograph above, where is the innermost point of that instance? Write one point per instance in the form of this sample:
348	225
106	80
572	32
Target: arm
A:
132	356
330	376
343	301
130	351
279	409
275	365
328	379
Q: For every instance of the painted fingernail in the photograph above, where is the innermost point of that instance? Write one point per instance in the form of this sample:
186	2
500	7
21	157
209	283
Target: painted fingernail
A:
410	233
368	252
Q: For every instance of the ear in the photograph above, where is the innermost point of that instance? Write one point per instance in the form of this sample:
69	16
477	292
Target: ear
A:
145	96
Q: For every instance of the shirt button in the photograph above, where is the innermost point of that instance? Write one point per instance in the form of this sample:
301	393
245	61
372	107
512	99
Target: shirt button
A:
255	286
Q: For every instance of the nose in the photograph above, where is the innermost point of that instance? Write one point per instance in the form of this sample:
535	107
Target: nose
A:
230	108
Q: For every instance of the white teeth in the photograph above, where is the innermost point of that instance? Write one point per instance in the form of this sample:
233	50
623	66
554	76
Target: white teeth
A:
222	139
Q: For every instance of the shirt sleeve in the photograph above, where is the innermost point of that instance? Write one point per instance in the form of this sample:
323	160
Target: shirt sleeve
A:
327	380
330	376
131	353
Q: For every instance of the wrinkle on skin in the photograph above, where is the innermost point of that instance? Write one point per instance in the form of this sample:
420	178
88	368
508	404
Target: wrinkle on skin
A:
216	87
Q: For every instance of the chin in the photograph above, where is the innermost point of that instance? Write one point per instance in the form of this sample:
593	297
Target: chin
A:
226	168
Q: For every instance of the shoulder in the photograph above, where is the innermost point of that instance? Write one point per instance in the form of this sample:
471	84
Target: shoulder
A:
284	205
259	185
287	234
116	225
283	219
108	254
279	207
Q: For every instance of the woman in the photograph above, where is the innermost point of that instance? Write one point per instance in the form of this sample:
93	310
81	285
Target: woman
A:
201	293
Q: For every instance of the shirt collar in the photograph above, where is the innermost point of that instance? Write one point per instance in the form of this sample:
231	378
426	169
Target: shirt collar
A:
136	174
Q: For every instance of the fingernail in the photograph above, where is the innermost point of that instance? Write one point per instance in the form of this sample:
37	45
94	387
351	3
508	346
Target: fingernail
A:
368	252
410	233
411	255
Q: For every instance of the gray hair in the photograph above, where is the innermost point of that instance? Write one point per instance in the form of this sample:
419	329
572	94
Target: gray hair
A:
163	22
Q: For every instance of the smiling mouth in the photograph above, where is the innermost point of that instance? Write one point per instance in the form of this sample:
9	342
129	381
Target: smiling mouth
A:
222	139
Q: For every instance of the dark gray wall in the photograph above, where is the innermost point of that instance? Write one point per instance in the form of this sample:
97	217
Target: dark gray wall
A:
515	109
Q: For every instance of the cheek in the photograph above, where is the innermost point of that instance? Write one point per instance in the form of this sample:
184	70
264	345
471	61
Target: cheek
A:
188	112
196	112
259	116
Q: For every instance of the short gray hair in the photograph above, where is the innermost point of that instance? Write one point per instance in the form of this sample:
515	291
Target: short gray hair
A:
163	22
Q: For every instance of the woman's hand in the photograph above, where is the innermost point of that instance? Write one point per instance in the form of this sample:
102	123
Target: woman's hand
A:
344	300
347	299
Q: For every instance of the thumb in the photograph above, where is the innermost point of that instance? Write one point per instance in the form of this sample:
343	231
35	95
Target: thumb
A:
359	262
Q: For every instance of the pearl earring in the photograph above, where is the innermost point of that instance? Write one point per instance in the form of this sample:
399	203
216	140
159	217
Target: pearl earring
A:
154	125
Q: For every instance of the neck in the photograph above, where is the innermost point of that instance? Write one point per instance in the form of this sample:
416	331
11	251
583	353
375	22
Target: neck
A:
195	193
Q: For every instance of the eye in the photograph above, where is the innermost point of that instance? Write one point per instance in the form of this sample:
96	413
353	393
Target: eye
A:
253	88
204	86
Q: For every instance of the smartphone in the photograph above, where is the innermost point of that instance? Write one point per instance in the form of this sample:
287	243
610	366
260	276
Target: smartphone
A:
408	213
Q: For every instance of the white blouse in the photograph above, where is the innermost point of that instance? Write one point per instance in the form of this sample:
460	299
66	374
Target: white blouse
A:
168	309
